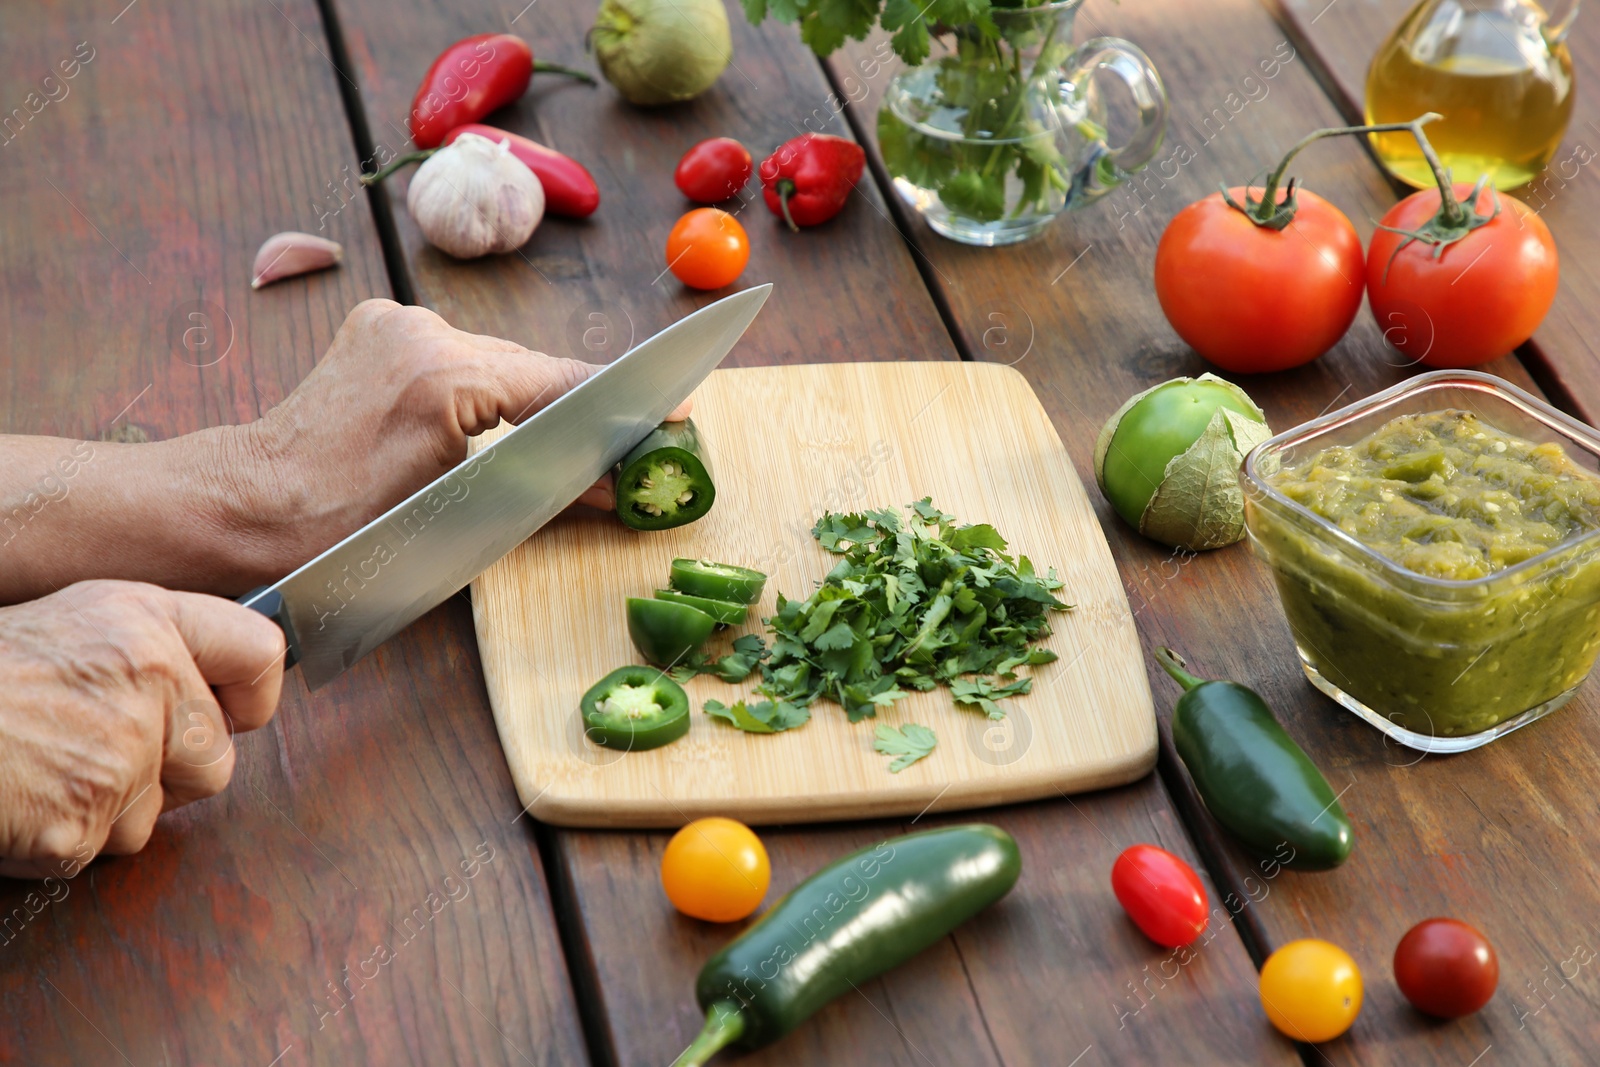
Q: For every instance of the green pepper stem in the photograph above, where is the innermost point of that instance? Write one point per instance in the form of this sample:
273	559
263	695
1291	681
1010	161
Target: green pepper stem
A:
402	161
571	72
1174	665
724	1025
786	189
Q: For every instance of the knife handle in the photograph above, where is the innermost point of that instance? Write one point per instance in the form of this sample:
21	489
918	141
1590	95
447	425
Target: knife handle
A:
273	607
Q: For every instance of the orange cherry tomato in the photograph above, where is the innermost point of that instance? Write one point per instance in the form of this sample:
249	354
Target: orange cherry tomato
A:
1311	990
707	249
715	869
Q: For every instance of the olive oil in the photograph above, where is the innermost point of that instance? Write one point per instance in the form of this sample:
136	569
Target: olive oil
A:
1498	74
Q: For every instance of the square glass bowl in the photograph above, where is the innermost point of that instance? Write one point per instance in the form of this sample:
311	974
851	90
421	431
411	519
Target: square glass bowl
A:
1438	665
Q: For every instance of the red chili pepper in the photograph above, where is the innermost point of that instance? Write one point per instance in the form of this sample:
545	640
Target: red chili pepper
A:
713	170
471	78
568	187
807	180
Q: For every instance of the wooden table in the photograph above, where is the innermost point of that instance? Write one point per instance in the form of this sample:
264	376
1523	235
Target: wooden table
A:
316	913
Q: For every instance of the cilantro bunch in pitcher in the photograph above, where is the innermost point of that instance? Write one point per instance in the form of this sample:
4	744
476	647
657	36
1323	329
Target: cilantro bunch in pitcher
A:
981	139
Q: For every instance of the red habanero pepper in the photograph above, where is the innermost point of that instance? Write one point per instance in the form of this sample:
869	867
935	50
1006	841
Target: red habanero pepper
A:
569	189
471	78
807	180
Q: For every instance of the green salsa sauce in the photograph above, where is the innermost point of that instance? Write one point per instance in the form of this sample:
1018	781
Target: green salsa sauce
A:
1445	496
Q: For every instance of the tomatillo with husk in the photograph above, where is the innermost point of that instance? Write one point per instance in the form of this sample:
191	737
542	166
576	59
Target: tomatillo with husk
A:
1168	460
661	51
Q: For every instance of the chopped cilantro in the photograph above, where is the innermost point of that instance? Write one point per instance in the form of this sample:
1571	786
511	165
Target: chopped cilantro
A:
911	604
908	744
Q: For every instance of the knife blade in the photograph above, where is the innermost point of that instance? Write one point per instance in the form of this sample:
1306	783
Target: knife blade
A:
354	596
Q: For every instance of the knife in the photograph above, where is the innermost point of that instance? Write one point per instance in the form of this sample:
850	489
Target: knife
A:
368	587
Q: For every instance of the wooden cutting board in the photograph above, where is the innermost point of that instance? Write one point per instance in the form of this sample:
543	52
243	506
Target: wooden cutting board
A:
788	443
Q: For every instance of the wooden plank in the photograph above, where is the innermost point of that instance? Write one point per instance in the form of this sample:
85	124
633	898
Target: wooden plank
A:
1343	36
857	296
612	265
249	931
1497	837
971	436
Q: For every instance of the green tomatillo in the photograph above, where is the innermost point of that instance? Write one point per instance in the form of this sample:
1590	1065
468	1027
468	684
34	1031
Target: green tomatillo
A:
1168	460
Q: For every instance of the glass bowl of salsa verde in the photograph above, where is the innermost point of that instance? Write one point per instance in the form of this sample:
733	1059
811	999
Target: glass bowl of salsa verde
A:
1437	553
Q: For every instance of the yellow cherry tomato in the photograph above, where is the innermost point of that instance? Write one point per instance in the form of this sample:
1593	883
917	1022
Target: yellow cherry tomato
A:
1311	990
715	869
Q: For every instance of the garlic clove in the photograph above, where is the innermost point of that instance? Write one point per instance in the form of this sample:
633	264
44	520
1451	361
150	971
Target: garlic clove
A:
473	197
287	254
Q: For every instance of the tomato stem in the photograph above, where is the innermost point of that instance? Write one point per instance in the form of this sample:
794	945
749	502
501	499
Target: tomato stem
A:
405	160
1454	220
1268	212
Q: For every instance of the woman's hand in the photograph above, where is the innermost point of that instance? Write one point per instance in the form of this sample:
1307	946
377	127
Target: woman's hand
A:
120	701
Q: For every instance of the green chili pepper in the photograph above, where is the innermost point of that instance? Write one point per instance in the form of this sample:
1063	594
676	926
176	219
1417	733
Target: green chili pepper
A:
666	633
1251	775
726	612
851	921
635	708
666	480
717	581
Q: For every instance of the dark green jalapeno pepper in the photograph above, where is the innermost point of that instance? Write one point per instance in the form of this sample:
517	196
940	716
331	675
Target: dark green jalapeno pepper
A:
1251	775
666	480
666	633
726	612
852	920
717	581
635	708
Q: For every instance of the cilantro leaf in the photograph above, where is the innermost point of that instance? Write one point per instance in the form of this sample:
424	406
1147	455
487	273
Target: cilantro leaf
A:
748	652
908	744
764	717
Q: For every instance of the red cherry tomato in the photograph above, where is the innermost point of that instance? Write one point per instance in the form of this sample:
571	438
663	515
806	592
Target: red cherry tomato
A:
1251	299
1477	299
1161	894
1446	968
713	170
707	249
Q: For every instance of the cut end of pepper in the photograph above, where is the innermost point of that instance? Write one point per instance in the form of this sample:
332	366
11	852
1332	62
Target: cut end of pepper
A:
724	1025
1175	666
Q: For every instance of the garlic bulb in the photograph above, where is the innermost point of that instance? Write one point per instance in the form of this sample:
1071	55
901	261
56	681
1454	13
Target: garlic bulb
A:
473	197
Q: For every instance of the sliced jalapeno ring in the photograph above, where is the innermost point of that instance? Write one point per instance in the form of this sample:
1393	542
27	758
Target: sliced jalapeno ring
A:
666	481
635	708
665	633
726	612
717	581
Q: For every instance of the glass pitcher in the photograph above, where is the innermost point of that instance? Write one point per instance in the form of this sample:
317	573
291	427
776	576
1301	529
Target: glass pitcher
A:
1002	133
1497	70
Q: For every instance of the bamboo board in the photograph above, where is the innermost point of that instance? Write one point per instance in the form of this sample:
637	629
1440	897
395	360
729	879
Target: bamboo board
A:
788	443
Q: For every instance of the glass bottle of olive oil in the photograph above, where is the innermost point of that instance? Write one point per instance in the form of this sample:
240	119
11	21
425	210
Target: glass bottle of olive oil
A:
1499	73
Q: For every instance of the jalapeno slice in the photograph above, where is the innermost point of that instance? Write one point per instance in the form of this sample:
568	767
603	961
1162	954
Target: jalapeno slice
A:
666	633
717	581
726	612
666	480
635	708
